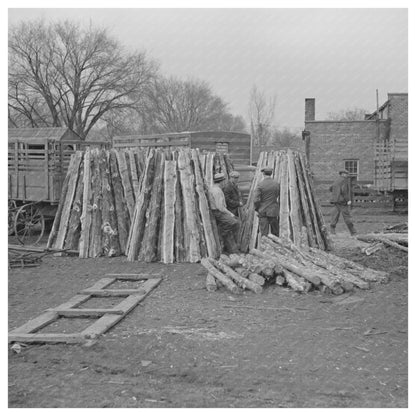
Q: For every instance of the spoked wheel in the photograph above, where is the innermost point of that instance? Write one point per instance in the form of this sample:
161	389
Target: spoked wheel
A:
29	224
11	214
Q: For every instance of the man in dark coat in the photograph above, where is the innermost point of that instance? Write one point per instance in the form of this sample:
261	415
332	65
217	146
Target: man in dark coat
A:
341	199
232	193
266	203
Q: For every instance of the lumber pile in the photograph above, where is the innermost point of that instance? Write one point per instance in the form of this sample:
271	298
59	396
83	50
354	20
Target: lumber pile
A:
280	261
300	218
149	204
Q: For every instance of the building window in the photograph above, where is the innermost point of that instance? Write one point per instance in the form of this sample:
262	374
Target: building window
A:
352	167
221	147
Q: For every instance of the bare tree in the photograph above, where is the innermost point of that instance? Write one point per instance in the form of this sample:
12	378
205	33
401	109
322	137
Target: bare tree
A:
350	114
261	113
64	75
175	105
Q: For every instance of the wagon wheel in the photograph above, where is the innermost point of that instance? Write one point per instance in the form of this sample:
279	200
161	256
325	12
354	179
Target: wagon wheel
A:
11	215
29	224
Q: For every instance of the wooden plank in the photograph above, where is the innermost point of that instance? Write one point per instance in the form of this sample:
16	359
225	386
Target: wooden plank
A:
107	321
71	313
134	174
134	276
103	283
112	292
284	225
36	323
47	338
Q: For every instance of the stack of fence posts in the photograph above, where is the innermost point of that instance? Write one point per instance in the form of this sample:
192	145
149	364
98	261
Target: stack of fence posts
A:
151	204
300	217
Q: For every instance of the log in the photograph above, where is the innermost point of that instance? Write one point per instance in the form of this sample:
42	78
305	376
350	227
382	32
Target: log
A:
284	226
365	273
296	268
86	208
109	234
232	262
226	281
384	240
295	209
306	214
96	218
313	207
167	252
126	182
179	231
211	283
148	249
256	278
296	282
212	248
209	169
121	211
74	224
55	225
242	272
280	280
69	198
134	174
191	237
241	281
139	220
277	269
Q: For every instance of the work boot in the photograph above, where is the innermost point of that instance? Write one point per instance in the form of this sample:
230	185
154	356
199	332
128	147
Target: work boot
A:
332	228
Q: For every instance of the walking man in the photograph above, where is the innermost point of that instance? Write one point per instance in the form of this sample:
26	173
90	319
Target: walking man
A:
266	203
341	200
228	224
232	194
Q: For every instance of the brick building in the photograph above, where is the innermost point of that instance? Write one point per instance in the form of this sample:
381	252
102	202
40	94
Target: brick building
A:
374	150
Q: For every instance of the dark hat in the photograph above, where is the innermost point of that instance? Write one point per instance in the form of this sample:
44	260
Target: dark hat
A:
267	170
344	171
218	177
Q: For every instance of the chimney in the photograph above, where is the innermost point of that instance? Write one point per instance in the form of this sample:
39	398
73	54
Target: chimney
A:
309	109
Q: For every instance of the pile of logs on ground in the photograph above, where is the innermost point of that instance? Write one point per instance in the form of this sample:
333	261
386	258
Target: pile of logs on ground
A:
149	204
399	241
279	261
300	218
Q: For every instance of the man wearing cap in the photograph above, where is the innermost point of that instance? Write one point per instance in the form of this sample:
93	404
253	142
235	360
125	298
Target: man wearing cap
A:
232	193
340	198
266	203
228	224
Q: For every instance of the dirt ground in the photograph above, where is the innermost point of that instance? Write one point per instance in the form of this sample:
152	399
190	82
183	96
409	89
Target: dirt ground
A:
186	347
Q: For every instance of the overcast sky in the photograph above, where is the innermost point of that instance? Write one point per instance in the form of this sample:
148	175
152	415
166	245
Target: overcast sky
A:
337	56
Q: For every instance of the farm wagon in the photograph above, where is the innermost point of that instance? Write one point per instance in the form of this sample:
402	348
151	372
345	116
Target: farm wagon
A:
38	159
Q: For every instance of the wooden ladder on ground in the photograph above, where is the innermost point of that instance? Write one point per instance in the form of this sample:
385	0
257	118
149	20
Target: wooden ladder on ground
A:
106	318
